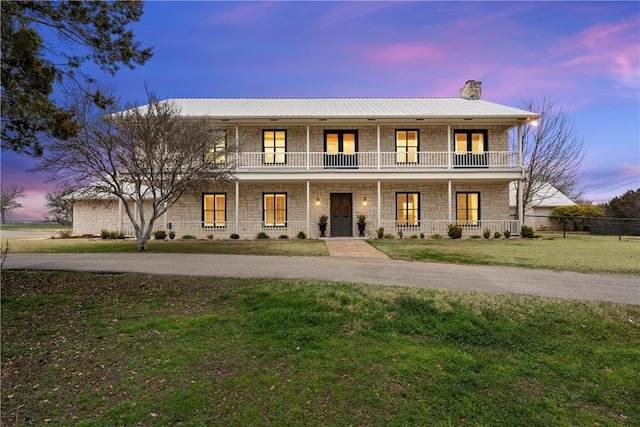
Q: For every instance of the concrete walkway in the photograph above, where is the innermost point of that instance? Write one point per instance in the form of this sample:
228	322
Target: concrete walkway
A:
352	248
490	279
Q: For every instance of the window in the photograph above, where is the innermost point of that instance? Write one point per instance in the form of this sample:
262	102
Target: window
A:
274	144
468	208
275	209
406	146
470	147
407	209
340	148
217	153
214	210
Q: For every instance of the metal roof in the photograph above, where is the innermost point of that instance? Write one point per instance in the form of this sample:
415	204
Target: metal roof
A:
331	108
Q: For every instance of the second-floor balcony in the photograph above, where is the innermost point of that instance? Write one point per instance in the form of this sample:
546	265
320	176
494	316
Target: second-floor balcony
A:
423	160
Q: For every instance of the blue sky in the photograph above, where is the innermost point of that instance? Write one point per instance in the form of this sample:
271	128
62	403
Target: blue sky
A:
582	56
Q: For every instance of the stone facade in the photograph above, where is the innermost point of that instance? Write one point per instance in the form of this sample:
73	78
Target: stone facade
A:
308	192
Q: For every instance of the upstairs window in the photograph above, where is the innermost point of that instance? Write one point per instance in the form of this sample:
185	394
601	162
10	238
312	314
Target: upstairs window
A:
470	148
407	209
274	209
217	153
274	143
470	141
214	210
406	146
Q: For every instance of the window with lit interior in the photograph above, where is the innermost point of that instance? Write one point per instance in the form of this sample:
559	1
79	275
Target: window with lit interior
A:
214	210
406	146
218	150
468	208
407	209
274	209
274	146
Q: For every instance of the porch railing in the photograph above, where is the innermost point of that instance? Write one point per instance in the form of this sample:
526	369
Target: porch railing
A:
375	160
250	229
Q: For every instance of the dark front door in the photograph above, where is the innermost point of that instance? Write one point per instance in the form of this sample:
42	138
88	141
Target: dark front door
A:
341	214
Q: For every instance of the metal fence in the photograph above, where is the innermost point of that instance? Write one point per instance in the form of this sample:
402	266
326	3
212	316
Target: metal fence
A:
596	225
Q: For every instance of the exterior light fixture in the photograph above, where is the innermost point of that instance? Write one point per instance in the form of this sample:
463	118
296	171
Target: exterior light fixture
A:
317	201
364	202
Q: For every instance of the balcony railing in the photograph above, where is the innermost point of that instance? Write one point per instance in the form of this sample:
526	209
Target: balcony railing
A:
374	160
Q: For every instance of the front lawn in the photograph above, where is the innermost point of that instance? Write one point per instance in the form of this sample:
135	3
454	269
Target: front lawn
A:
582	253
119	349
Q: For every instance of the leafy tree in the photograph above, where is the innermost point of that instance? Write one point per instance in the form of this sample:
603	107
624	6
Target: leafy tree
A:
82	31
9	200
577	214
60	206
147	157
625	206
552	153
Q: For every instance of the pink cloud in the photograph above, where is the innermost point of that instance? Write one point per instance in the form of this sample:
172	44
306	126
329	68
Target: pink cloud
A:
611	50
399	53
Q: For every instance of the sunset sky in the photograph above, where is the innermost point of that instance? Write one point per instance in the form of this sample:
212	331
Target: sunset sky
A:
581	56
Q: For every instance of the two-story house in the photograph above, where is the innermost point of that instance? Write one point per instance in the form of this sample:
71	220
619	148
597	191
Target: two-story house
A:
410	165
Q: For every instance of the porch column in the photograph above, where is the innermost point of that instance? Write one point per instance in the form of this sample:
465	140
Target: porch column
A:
164	216
522	178
237	206
237	140
379	206
378	147
308	143
308	199
449	201
449	154
120	215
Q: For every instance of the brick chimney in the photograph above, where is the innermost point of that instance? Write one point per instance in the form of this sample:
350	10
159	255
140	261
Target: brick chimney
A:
472	89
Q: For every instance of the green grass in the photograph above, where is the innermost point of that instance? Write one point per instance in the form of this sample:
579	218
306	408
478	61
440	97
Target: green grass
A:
582	253
102	350
232	247
35	227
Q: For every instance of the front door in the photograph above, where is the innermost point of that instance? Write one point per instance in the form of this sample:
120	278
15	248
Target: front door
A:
341	214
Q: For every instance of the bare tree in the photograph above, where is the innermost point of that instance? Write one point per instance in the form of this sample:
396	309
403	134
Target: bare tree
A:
147	157
9	200
552	153
61	206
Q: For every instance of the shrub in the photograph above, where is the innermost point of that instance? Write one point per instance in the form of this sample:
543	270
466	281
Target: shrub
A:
188	237
172	234
159	235
262	236
454	231
380	232
388	236
507	234
301	235
400	234
526	232
497	235
436	236
65	234
283	237
209	236
106	234
486	233
475	236
234	236
422	235
413	236
323	219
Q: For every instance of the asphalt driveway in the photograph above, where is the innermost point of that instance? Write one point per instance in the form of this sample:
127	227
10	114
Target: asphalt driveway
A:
495	280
